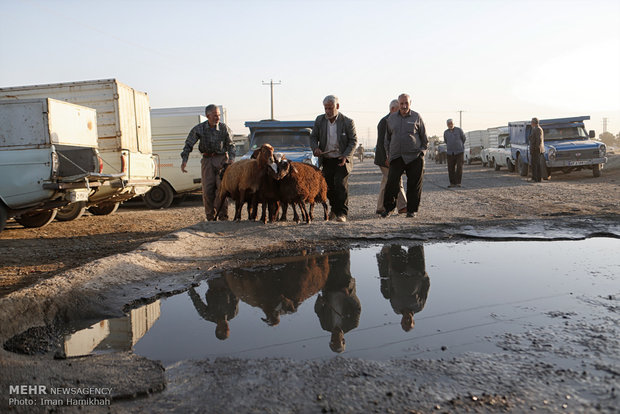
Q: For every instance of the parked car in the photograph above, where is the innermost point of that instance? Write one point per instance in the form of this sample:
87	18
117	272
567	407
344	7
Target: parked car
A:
502	155
568	147
48	159
370	153
170	127
124	128
493	139
292	138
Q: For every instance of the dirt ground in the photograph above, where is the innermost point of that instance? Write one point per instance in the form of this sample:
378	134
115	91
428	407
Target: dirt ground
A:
98	267
31	255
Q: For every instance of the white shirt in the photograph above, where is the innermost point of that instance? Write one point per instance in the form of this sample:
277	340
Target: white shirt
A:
332	140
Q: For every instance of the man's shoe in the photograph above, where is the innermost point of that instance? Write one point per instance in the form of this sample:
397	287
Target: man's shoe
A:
341	219
332	215
412	214
379	211
385	214
458	185
402	210
452	185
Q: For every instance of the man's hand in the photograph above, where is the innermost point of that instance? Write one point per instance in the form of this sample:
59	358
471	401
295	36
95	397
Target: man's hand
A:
317	152
183	165
342	160
387	163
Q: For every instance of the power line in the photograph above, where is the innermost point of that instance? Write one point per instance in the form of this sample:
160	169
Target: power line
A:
271	83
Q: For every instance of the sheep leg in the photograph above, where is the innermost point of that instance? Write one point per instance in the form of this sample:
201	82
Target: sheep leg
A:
218	206
310	211
302	207
239	206
325	216
263	217
274	206
295	215
284	211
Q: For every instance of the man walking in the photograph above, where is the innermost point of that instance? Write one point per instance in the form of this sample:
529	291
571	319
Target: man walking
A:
218	149
405	143
381	161
333	140
537	148
455	143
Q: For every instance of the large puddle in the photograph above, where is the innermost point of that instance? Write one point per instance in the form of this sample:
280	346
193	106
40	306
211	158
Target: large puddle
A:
378	302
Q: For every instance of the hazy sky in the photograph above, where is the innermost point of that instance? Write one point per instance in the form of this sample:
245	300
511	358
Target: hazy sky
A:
498	61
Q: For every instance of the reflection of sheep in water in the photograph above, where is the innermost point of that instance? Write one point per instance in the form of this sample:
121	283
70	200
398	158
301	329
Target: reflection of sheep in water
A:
298	184
280	290
242	179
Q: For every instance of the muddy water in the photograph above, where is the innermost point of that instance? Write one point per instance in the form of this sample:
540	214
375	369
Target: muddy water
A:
361	302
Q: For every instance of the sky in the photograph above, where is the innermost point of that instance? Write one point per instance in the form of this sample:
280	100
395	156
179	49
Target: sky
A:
495	60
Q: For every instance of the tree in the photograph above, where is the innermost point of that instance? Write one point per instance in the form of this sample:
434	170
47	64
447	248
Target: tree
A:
608	138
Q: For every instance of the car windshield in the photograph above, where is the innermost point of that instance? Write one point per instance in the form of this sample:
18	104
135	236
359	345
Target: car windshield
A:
282	139
565	133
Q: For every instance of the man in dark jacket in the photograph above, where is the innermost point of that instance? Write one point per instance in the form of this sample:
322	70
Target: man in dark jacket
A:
221	306
537	148
333	140
380	160
455	144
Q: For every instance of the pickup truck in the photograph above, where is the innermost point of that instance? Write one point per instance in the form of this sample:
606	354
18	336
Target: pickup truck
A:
292	138
124	143
48	159
568	147
502	155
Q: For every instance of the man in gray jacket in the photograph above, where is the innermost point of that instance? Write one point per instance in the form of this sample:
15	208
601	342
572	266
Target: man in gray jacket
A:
333	140
405	143
455	143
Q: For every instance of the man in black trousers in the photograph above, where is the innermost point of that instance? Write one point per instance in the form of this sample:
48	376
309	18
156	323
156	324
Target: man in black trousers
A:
405	143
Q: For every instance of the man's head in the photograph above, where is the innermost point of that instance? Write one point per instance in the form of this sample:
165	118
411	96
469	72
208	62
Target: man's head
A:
336	342
331	105
404	102
450	123
213	114
407	322
394	105
222	330
534	122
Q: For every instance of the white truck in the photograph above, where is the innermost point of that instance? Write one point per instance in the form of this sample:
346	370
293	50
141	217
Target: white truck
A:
170	127
492	141
124	129
502	155
474	143
48	159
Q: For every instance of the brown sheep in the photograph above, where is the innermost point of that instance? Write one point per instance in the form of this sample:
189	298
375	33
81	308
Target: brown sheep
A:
242	180
298	184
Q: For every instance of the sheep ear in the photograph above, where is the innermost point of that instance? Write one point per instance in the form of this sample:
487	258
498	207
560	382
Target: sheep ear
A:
255	153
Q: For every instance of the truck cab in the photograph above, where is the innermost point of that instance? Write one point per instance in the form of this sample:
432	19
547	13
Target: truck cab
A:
568	147
291	138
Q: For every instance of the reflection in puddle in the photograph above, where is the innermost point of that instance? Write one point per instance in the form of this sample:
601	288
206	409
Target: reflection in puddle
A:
372	303
119	334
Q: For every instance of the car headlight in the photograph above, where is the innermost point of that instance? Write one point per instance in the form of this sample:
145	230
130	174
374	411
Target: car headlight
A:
552	153
602	149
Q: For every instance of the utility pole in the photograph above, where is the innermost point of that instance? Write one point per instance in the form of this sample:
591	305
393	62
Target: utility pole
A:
604	125
271	83
460	119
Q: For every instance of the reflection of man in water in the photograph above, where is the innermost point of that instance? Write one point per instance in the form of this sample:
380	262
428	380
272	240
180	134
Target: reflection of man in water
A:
222	305
338	307
404	281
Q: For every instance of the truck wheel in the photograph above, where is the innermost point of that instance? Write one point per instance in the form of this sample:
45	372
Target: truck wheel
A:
71	211
104	209
497	167
36	219
4	215
509	165
596	170
160	196
523	167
